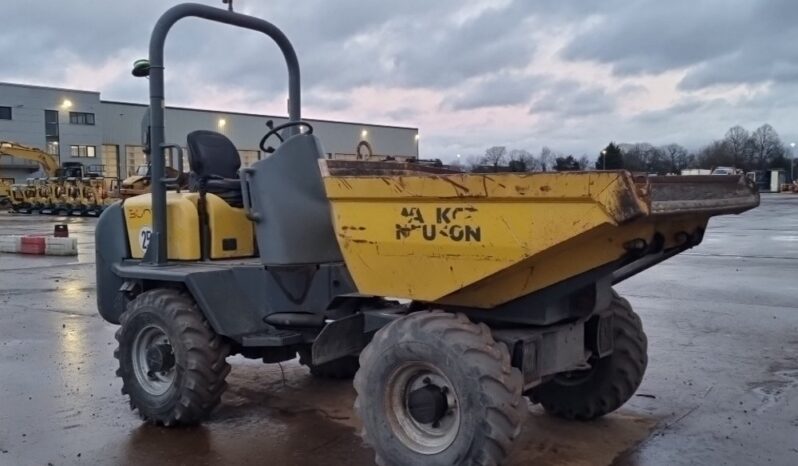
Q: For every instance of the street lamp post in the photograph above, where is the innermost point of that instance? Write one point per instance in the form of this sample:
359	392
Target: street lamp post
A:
604	159
792	162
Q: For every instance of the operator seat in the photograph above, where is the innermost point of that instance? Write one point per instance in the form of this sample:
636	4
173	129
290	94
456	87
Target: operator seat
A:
214	164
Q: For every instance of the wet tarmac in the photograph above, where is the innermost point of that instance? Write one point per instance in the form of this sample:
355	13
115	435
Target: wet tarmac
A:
721	386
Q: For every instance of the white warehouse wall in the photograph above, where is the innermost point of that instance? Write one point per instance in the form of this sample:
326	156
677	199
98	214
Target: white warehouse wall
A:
119	124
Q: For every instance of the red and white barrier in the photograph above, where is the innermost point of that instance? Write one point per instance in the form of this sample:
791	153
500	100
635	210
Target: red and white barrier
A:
39	245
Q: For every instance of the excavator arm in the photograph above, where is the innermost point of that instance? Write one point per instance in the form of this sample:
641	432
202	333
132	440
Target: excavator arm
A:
48	162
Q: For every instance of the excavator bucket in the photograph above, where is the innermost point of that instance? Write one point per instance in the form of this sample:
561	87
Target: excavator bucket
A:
481	240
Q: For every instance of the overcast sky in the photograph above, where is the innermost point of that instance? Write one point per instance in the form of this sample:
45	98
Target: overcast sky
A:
571	75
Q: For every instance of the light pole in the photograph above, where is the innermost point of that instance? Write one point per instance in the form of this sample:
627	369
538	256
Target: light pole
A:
604	159
792	162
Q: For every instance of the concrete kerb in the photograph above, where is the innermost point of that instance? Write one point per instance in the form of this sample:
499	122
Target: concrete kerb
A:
38	245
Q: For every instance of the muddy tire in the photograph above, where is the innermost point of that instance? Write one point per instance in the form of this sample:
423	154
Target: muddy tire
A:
610	382
340	369
436	389
171	362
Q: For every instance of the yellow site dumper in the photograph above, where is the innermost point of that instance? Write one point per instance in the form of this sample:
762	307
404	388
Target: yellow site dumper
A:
482	240
505	279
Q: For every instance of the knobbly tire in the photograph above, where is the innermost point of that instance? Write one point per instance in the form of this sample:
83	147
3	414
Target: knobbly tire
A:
610	382
171	362
436	389
343	368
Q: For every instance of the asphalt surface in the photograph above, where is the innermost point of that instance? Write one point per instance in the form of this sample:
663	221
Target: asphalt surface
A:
721	386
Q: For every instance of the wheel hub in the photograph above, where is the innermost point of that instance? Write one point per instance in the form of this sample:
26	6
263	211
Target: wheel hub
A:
153	360
422	407
428	404
160	358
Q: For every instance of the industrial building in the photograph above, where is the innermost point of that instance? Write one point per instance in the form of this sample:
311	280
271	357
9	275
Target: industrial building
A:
78	126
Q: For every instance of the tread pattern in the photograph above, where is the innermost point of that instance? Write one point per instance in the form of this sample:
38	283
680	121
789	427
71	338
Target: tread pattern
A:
501	385
615	378
205	366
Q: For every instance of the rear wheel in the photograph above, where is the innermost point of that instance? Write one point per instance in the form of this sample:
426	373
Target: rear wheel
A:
610	382
436	389
171	362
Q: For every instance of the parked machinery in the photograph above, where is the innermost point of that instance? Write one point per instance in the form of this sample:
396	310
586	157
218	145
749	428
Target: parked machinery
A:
5	191
23	198
63	196
94	194
508	279
68	189
43	193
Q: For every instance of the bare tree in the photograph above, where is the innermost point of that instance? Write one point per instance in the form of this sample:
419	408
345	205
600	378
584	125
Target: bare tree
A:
766	146
546	158
714	155
584	162
473	163
676	156
523	160
635	156
737	141
495	156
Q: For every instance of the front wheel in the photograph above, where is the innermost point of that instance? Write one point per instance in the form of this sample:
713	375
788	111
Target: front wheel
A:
610	381
171	362
436	389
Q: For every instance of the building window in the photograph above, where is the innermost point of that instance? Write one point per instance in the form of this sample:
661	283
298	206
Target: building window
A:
51	123
5	113
52	146
82	151
81	118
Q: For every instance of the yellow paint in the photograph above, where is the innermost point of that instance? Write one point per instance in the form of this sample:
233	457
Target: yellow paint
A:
229	223
183	235
482	240
182	224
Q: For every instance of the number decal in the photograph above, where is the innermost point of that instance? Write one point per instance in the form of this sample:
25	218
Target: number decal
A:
144	237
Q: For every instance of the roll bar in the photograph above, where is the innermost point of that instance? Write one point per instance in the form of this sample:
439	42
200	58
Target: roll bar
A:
157	251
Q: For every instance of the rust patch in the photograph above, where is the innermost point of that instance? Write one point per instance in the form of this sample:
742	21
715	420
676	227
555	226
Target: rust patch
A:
628	206
545	188
362	241
522	190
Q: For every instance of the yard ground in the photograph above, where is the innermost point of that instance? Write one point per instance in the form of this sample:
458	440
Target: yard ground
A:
721	386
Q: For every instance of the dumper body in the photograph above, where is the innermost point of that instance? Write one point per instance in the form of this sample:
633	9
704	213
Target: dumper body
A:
482	240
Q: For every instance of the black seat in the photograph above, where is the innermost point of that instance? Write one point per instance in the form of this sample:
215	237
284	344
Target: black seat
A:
214	163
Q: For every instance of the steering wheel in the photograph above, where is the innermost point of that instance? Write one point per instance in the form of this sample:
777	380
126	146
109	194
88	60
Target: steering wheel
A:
275	131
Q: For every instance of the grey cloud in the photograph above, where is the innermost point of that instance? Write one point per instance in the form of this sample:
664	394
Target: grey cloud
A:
655	36
760	60
401	114
475	64
726	42
350	43
496	90
570	99
324	101
661	115
632	89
